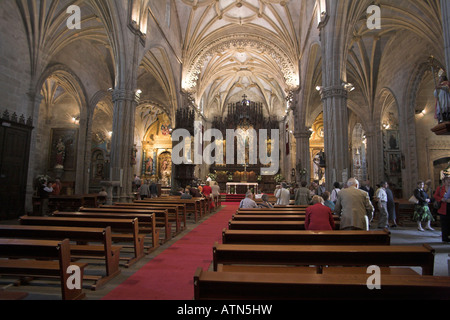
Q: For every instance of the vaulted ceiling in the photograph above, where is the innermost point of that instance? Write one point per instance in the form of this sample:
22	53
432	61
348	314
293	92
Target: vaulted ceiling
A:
234	48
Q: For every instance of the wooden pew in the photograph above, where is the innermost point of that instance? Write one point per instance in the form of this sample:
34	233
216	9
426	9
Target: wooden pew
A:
178	209
165	216
303	237
270	217
269	212
319	255
270	225
161	217
267	217
123	230
193	206
280	286
40	258
105	250
147	223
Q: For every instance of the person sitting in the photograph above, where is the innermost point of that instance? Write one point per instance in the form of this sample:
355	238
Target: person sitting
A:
102	196
318	216
265	202
248	201
185	194
326	200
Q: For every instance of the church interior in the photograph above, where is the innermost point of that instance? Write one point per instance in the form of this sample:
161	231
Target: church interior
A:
94	90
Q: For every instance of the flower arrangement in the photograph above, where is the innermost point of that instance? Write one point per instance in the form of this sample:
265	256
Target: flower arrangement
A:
278	178
213	176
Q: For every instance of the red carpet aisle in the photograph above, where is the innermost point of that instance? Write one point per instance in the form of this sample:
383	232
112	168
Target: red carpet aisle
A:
169	276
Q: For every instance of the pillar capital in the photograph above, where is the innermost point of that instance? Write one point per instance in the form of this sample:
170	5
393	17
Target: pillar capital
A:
125	95
334	91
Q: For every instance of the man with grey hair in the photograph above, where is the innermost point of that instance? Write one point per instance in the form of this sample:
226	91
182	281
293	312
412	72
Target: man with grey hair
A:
354	207
248	201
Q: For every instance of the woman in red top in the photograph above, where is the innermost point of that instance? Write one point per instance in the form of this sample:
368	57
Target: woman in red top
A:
318	216
207	190
444	209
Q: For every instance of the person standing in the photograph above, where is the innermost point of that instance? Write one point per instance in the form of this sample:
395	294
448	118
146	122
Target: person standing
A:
153	189
422	212
44	193
144	190
391	206
56	187
366	187
444	209
334	192
283	195
354	207
207	193
318	216
215	192
381	195
302	195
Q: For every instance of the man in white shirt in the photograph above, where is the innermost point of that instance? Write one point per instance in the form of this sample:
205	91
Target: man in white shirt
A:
283	196
381	196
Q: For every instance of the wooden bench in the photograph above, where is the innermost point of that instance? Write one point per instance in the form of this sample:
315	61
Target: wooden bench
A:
105	250
176	211
269	217
270	212
147	224
123	230
319	255
40	258
270	225
292	237
279	286
193	206
147	217
399	271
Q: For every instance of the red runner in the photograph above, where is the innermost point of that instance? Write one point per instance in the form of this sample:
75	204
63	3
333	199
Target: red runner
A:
169	276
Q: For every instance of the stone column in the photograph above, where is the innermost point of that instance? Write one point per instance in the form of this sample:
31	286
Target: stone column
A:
34	102
122	141
445	12
334	94
303	156
335	117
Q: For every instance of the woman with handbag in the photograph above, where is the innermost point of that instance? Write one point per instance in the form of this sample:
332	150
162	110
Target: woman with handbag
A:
422	212
442	196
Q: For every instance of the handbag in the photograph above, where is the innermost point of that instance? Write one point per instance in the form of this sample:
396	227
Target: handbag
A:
413	199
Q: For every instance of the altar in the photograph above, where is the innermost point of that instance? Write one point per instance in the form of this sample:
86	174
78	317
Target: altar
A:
243	186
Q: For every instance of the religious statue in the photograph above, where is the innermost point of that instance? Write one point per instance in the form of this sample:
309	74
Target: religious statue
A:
133	155
60	154
442	95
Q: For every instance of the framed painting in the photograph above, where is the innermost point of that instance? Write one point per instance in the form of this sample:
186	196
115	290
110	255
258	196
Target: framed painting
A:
63	149
392	140
394	161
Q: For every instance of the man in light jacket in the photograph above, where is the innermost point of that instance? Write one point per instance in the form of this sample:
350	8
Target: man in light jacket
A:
354	207
283	195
